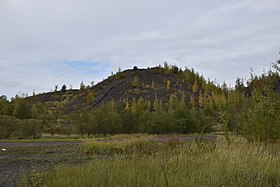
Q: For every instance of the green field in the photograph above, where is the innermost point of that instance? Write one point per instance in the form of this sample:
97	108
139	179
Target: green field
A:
135	160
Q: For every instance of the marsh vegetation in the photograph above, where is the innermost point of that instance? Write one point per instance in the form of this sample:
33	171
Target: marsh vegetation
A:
145	161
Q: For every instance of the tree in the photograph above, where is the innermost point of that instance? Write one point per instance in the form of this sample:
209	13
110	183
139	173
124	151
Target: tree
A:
261	116
8	109
135	82
8	125
182	104
90	97
157	106
166	68
168	85
192	102
172	104
108	119
30	128
82	86
129	121
3	103
200	99
22	109
34	112
39	111
195	86
239	85
85	122
141	105
63	88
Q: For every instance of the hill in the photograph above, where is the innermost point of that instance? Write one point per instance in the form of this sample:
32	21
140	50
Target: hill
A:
153	83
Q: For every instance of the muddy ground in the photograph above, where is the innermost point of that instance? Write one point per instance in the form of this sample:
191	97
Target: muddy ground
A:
22	158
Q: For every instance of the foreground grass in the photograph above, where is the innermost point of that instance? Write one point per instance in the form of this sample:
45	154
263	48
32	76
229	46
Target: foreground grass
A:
196	163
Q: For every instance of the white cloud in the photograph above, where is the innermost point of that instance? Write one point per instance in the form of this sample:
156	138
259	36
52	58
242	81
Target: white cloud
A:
221	39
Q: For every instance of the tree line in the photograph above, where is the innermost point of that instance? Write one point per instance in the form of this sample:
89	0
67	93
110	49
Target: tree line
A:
249	109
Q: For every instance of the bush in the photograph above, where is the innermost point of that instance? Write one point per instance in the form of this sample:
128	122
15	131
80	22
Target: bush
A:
30	129
8	126
260	119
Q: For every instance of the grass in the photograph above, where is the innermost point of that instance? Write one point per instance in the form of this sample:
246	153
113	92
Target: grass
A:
60	136
121	147
196	163
21	159
77	137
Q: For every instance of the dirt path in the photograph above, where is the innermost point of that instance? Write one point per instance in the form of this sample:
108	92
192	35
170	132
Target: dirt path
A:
28	144
21	158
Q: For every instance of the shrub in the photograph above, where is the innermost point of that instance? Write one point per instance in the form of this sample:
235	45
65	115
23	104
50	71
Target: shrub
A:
8	126
31	128
261	116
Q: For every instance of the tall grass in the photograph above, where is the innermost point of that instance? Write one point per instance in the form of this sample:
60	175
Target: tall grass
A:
187	164
121	147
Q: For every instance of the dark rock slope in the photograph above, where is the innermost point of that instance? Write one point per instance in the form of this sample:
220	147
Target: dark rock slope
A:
121	87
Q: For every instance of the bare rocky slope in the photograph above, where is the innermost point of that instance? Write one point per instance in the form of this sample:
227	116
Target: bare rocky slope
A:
124	86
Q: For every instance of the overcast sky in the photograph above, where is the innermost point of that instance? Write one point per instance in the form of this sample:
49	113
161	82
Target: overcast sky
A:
44	43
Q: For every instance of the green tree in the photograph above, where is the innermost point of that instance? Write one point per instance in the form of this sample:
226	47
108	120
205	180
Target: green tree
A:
261	116
192	102
108	119
55	88
63	88
22	109
82	86
173	104
201	99
30	128
129	121
3	103
239	85
85	122
157	106
260	119
8	126
8	109
182	104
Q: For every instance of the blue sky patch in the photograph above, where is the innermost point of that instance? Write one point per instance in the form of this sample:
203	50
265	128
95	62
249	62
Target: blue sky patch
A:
87	67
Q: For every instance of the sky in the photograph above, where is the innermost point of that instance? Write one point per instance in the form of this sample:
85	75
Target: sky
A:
44	43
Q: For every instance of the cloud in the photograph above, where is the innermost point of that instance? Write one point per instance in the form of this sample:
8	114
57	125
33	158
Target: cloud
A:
44	43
